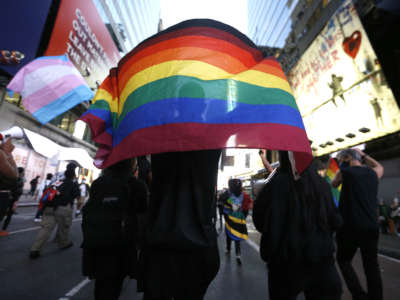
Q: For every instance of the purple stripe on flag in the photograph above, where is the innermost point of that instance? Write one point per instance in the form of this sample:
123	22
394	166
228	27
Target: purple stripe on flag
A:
51	92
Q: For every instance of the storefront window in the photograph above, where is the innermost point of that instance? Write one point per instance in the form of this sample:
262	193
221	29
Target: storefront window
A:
88	135
65	121
15	99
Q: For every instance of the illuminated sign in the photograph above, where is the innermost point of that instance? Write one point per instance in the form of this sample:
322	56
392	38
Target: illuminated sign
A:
80	33
340	88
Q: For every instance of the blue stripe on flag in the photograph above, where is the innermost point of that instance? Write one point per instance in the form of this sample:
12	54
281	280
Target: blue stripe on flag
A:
214	111
58	106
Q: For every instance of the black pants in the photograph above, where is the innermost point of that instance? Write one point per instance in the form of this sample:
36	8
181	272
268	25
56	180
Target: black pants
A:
229	242
368	243
318	281
108	289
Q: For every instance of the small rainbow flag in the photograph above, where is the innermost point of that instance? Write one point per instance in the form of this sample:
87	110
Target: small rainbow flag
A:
333	168
49	86
198	85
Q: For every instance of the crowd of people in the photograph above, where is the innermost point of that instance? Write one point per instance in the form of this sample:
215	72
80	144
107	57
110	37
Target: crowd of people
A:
156	224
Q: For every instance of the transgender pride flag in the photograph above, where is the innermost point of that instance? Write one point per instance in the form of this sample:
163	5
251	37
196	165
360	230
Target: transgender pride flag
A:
50	86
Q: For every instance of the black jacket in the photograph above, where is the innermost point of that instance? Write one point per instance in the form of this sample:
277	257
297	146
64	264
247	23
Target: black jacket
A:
180	257
68	192
277	214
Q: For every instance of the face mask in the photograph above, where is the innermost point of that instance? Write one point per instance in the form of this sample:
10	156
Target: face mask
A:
344	164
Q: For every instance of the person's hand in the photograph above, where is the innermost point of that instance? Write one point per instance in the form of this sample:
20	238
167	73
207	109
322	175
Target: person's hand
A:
359	151
7	146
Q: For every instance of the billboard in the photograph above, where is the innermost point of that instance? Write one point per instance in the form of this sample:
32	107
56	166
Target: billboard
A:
340	88
80	33
22	23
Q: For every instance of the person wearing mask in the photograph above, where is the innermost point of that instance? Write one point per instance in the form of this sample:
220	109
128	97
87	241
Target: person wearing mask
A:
8	175
296	219
16	192
58	212
109	226
236	208
180	256
358	207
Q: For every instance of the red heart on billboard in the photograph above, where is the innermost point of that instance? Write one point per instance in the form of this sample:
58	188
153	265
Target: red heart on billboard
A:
351	44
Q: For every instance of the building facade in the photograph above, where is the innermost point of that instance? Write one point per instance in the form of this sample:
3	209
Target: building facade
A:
90	33
343	80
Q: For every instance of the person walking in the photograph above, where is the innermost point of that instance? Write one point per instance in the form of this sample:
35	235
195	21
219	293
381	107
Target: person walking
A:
84	189
394	210
179	258
236	208
358	206
383	216
58	212
34	182
109	226
43	186
16	192
296	219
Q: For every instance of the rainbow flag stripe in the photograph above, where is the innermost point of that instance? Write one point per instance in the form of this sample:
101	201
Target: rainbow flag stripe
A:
49	86
333	168
198	85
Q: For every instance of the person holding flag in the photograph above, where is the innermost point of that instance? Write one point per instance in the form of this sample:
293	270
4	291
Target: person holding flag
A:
236	208
333	168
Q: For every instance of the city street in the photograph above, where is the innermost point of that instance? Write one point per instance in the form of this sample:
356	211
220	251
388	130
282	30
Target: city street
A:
57	274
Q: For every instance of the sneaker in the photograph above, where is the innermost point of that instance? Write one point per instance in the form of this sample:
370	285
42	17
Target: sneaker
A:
77	213
238	260
34	254
3	233
37	220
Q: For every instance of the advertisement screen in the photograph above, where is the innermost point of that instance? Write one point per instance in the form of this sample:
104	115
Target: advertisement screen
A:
340	87
80	33
22	23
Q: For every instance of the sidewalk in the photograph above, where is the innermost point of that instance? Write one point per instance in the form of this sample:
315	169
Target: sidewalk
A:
389	245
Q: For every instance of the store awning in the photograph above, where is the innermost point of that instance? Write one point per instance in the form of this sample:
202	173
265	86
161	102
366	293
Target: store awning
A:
54	151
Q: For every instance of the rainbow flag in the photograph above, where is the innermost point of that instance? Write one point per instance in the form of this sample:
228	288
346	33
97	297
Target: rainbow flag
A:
333	168
200	84
49	86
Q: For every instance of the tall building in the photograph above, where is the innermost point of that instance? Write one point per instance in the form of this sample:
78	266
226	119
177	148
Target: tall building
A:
130	22
269	22
94	34
341	63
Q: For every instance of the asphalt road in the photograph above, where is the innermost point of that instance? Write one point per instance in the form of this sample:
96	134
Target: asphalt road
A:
57	274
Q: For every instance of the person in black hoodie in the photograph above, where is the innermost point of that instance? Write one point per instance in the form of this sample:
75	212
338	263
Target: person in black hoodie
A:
109	226
297	220
180	256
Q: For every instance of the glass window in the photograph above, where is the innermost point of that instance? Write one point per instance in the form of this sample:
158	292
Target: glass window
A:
14	98
65	121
